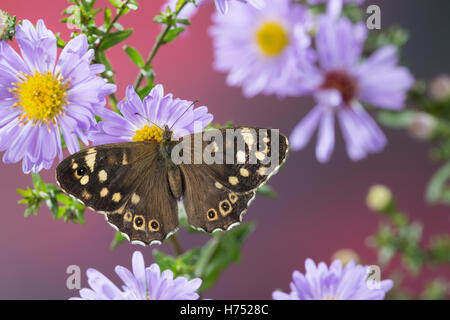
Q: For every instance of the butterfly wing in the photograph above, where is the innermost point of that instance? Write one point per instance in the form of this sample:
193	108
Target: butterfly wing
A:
217	194
128	183
208	204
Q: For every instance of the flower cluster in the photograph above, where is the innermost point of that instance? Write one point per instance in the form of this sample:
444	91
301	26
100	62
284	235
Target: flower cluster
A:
145	119
338	282
269	52
42	96
139	284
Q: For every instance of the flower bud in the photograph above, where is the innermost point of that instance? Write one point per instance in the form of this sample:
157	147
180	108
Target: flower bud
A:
439	87
379	198
345	255
7	26
422	126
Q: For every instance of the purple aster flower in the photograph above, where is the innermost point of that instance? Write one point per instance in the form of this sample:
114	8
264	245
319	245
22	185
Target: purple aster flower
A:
334	283
139	284
145	119
341	80
345	1
260	49
222	5
40	96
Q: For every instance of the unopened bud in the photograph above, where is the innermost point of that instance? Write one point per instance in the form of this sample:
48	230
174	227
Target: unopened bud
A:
379	198
345	255
7	26
422	126
3	23
439	88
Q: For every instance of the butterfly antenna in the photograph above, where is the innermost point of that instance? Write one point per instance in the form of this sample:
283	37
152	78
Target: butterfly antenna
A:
138	114
193	103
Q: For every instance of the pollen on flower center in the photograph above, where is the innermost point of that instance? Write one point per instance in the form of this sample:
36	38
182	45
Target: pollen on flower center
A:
41	96
148	133
272	38
343	82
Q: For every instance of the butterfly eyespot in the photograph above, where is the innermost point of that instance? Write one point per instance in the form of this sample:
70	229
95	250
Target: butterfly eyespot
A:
233	197
81	171
153	225
212	215
225	207
139	223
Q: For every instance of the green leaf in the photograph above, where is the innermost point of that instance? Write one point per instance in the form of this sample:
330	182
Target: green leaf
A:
267	191
396	119
144	91
114	38
116	3
118	239
184	265
220	252
133	5
107	16
172	34
135	56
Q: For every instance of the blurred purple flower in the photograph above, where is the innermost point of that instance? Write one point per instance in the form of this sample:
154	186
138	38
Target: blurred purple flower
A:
145	119
140	284
260	49
40	95
334	283
222	5
341	80
345	1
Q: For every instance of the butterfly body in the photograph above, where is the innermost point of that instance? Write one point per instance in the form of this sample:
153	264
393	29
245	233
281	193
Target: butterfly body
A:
138	185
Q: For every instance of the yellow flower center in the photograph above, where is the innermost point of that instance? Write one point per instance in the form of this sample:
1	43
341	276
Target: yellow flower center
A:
41	96
148	133
272	38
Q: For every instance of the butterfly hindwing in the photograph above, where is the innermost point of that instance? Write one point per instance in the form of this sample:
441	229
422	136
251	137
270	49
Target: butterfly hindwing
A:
127	182
209	205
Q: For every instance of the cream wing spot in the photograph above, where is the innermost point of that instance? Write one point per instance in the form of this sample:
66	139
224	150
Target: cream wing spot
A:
124	159
135	198
90	159
102	176
262	171
86	195
116	197
104	192
233	180
240	156
218	185
259	155
84	180
244	172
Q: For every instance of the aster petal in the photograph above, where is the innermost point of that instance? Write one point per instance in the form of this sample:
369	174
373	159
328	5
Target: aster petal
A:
325	138
381	82
302	133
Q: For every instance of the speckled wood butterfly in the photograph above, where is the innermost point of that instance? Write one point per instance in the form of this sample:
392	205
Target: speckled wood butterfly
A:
138	185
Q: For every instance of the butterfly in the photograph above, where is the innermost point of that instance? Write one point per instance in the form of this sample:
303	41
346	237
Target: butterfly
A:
139	185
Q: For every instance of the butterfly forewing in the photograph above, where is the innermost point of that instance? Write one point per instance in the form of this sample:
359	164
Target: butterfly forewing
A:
127	182
249	156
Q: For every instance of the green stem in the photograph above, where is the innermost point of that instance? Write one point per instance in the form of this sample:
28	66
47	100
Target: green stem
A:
111	25
176	245
156	46
210	250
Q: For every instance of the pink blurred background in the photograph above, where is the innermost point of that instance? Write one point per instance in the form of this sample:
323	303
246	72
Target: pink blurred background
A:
320	209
